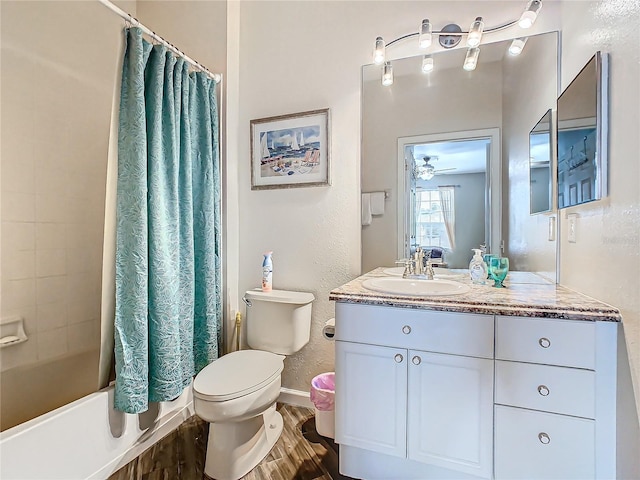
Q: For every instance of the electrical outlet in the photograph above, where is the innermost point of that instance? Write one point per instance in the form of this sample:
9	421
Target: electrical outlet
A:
572	226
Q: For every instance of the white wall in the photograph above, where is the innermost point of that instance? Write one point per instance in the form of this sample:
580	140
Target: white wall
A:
609	229
298	56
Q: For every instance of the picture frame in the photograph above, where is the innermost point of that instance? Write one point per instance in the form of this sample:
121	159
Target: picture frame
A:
290	151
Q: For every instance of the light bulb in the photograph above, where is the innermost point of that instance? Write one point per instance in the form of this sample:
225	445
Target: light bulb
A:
475	32
427	64
471	60
517	45
387	74
530	14
378	52
425	34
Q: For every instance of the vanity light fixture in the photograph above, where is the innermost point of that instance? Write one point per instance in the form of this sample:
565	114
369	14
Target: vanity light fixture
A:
425	34
427	64
475	33
450	36
530	14
387	74
378	52
471	60
517	46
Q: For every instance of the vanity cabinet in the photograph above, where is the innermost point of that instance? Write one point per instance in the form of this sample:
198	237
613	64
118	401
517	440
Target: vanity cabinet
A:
555	399
417	385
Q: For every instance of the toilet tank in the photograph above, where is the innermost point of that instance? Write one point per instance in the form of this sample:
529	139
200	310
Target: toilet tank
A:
278	321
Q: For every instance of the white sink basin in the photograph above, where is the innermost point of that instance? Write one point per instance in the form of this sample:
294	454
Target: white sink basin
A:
411	287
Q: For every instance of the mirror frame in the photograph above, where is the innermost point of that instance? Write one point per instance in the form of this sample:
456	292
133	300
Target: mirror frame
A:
493	189
601	160
551	161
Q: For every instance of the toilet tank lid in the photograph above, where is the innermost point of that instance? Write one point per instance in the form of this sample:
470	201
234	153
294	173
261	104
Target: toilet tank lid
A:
280	296
237	374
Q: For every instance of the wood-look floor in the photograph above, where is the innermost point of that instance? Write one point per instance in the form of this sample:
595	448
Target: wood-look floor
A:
299	454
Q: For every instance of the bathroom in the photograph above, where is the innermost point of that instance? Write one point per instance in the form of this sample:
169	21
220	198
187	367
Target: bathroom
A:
285	57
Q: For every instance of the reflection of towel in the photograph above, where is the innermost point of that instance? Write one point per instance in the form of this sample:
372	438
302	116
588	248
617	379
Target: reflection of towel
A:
366	209
377	203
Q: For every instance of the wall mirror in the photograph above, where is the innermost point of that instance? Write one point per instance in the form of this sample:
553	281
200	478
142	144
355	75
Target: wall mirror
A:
582	135
540	162
427	121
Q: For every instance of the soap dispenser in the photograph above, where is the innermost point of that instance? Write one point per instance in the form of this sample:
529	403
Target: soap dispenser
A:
477	268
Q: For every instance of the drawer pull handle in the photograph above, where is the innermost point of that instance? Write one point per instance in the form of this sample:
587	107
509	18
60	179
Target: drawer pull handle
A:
543	390
544	438
406	329
544	342
416	360
398	358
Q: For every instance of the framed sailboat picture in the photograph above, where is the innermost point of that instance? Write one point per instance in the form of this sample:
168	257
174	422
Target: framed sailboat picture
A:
290	151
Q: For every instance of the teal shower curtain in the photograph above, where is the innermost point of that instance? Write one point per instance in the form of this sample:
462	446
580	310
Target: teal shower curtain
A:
168	298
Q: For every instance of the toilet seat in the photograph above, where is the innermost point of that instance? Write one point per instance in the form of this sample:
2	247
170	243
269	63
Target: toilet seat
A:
237	374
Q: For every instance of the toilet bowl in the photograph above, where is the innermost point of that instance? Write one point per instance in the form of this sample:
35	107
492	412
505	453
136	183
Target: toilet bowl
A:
237	393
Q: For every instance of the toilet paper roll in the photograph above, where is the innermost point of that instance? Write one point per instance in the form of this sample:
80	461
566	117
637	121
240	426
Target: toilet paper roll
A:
329	329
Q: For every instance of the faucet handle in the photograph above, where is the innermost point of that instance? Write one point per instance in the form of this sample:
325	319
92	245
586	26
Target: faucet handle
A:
408	266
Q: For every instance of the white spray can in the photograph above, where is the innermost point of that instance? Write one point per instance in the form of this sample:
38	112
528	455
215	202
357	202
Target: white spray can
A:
267	272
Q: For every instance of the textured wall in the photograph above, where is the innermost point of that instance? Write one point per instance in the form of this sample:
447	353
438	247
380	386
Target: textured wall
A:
609	229
297	56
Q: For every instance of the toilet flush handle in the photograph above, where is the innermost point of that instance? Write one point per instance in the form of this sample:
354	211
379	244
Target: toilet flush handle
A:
246	301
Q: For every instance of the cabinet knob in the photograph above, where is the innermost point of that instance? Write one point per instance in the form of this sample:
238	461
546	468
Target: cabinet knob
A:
544	438
416	360
406	329
544	342
543	390
398	358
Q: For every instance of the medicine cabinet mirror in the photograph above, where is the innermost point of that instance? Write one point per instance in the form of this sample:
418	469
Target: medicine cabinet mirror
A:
540	161
582	135
422	122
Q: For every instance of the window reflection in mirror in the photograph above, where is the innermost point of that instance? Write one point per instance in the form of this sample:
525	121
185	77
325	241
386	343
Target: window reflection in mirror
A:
582	136
447	185
540	165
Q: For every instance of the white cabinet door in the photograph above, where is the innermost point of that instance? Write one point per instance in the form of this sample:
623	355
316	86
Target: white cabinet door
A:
543	446
371	397
451	412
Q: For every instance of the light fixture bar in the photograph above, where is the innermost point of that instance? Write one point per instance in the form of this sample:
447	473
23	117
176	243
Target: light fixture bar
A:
387	75
475	32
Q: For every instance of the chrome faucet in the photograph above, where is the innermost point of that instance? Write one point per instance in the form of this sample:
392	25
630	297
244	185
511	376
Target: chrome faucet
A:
429	268
415	268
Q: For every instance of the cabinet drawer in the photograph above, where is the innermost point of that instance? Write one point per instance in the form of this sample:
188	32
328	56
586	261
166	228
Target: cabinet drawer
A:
542	387
441	332
552	342
543	446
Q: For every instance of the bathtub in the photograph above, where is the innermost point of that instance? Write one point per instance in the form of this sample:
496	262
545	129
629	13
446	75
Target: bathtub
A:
86	439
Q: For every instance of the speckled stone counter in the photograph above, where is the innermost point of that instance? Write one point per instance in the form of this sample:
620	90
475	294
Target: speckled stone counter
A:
526	295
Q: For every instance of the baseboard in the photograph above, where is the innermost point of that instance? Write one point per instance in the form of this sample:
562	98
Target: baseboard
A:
295	397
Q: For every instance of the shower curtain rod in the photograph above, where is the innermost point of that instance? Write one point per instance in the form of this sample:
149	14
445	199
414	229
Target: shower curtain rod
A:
136	23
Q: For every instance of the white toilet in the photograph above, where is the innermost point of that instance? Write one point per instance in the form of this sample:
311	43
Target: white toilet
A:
237	393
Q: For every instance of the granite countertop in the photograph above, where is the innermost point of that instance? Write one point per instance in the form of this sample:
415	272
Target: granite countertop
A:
526	295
